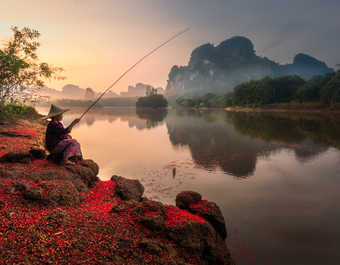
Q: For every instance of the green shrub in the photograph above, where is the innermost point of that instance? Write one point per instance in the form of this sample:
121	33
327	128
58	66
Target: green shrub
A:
17	111
152	101
330	93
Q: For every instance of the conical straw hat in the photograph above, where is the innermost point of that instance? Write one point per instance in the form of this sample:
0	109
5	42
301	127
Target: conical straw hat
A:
55	111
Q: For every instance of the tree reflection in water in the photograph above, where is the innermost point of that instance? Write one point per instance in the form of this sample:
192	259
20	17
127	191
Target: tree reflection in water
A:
234	141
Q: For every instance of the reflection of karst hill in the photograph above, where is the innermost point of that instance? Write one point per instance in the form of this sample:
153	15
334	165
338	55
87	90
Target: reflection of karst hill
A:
215	143
143	119
234	141
307	135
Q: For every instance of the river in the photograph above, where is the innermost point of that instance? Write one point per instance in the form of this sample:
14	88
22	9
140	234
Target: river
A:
275	176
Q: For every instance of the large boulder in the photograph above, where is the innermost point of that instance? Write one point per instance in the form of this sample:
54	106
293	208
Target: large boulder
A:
52	193
186	230
172	229
23	157
185	198
46	183
128	189
37	153
87	170
12	157
151	214
210	211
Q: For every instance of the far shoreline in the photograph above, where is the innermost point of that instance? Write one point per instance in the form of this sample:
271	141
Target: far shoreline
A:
322	111
303	109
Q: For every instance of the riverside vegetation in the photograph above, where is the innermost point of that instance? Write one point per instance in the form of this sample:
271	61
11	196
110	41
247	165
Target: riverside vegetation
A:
152	100
321	91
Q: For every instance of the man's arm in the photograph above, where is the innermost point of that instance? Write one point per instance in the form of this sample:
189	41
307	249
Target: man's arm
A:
73	123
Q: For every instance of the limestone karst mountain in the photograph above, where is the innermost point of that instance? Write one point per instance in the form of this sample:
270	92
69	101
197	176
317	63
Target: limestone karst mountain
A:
71	91
89	93
218	69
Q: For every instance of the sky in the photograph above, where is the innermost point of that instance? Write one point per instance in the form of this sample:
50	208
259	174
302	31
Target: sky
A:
96	40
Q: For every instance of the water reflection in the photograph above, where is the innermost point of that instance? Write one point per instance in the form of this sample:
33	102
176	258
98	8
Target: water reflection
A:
234	141
140	119
230	141
153	117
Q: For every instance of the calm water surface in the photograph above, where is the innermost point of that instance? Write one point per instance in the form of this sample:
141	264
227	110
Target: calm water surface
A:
275	177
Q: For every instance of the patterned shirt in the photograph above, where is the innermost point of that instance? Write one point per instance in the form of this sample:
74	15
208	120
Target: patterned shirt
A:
55	132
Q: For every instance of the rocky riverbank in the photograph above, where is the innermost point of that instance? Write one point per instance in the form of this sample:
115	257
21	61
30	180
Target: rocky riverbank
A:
51	214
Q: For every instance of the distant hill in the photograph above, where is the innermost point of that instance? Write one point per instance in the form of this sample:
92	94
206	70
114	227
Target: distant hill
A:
139	90
71	91
218	69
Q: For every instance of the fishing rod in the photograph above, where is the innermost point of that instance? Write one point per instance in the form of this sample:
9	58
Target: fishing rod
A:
133	66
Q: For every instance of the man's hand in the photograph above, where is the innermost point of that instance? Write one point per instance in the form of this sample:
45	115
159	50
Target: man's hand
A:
75	122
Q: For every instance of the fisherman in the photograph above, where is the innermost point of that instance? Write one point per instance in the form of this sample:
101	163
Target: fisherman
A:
58	142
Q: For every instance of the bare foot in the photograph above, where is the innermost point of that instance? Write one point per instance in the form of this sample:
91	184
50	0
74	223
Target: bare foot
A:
67	163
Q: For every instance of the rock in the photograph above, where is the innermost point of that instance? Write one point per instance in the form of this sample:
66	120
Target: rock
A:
196	234
201	238
7	173
49	193
185	198
14	134
154	223
151	246
16	158
128	189
148	206
87	170
184	229
57	218
149	213
37	153
210	211
123	206
58	174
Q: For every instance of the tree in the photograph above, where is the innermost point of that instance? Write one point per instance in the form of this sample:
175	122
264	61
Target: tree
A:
330	93
151	91
20	68
310	91
152	101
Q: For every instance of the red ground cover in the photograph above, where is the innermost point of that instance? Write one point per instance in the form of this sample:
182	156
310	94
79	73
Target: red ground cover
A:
34	233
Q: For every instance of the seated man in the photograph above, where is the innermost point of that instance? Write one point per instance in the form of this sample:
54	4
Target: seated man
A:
58	141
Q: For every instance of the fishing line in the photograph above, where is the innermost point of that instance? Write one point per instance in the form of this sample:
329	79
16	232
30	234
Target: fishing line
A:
133	66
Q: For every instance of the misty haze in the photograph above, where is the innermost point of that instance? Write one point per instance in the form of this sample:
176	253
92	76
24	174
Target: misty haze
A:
170	132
